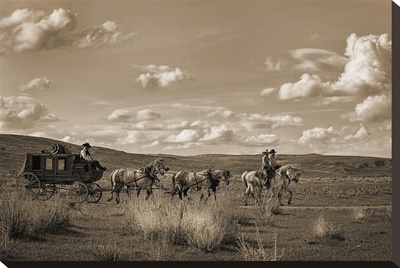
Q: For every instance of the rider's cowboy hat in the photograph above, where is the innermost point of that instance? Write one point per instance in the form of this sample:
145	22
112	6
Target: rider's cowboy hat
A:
272	151
86	145
265	152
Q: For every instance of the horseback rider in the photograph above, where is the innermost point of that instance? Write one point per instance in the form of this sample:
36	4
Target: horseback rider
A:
269	167
91	163
265	165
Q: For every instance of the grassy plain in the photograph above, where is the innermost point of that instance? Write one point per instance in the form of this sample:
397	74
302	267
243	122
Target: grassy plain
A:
341	211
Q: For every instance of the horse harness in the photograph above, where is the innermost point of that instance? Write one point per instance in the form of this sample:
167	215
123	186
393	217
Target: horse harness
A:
146	173
197	182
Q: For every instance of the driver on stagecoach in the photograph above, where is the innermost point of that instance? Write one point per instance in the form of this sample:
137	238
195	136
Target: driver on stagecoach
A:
85	154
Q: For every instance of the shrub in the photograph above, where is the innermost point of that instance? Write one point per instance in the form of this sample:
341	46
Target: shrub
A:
156	220
204	225
323	229
259	252
358	214
21	217
108	253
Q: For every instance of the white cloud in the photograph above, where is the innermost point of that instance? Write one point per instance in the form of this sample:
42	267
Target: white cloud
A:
367	74
367	71
318	134
37	84
218	133
27	30
147	114
125	115
262	139
372	109
274	121
108	33
15	113
161	76
121	115
361	133
221	112
287	120
266	92
278	65
186	135
317	60
308	86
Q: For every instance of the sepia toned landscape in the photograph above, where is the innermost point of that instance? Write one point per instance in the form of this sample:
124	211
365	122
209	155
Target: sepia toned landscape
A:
341	211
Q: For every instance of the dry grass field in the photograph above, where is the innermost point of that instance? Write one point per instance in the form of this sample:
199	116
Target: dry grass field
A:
341	211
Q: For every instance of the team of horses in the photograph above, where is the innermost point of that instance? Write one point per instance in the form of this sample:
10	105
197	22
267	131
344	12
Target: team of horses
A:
205	182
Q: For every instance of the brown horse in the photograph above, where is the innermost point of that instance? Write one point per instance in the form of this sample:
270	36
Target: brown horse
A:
142	178
202	181
254	182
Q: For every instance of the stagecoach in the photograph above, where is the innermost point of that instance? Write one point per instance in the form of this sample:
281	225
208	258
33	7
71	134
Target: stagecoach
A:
46	173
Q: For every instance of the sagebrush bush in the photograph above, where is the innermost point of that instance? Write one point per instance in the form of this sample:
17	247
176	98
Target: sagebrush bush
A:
156	220
204	225
22	217
251	252
358	214
325	230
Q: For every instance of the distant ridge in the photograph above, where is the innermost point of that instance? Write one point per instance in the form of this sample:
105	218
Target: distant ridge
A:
13	149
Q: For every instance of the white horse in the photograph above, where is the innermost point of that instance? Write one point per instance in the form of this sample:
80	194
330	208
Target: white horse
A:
202	181
254	182
142	178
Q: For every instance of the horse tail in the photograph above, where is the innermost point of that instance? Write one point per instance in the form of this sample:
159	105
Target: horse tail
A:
173	180
112	178
244	177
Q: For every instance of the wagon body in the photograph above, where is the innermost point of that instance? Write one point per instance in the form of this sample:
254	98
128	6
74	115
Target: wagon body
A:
60	168
45	173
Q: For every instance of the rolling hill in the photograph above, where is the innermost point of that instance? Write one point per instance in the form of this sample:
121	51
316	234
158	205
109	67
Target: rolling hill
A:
13	149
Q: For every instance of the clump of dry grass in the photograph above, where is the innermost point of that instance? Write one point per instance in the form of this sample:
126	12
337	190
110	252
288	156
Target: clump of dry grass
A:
258	252
358	214
204	225
155	220
108	253
22	217
322	229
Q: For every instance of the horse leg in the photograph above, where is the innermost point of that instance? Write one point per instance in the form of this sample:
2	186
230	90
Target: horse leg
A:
246	196
117	195
117	189
280	196
180	195
128	192
271	195
138	192
148	194
257	196
186	195
290	196
112	195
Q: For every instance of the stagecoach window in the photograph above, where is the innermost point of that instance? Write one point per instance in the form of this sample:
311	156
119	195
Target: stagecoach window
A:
36	162
49	163
62	164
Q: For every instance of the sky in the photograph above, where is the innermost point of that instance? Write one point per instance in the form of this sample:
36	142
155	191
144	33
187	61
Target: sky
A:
200	77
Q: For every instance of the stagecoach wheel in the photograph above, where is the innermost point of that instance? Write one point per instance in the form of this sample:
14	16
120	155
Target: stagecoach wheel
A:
30	183
78	192
47	191
95	193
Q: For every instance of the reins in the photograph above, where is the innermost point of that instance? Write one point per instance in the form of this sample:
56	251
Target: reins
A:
147	174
